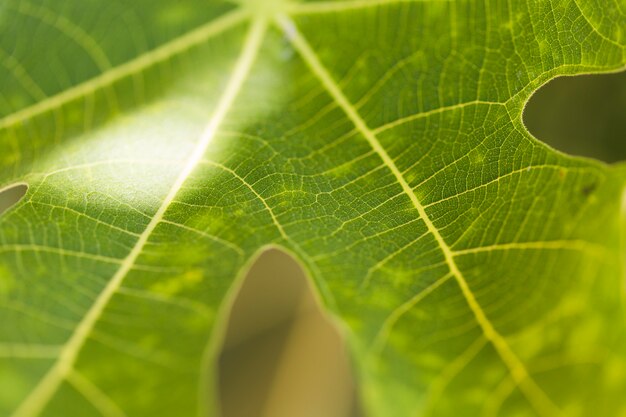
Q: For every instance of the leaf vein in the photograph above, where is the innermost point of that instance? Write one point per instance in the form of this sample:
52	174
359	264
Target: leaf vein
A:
47	387
528	386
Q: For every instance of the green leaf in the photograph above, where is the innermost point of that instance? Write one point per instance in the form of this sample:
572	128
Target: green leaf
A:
474	271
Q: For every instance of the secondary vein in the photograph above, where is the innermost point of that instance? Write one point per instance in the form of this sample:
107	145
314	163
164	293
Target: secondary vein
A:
129	68
45	390
536	396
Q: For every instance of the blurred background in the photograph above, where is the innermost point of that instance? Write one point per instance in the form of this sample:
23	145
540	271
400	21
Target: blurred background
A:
282	357
583	115
11	195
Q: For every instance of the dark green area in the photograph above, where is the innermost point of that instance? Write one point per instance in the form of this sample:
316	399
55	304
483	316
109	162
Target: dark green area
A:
582	115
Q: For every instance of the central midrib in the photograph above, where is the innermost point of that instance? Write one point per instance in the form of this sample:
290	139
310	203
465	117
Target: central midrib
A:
536	396
48	385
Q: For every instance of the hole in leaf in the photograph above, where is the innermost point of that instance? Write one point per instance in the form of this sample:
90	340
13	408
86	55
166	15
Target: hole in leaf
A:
11	195
582	115
281	357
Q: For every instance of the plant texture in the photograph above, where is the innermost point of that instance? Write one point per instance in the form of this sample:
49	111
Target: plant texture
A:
473	270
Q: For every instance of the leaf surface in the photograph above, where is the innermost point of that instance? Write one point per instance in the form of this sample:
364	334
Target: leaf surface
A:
474	270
